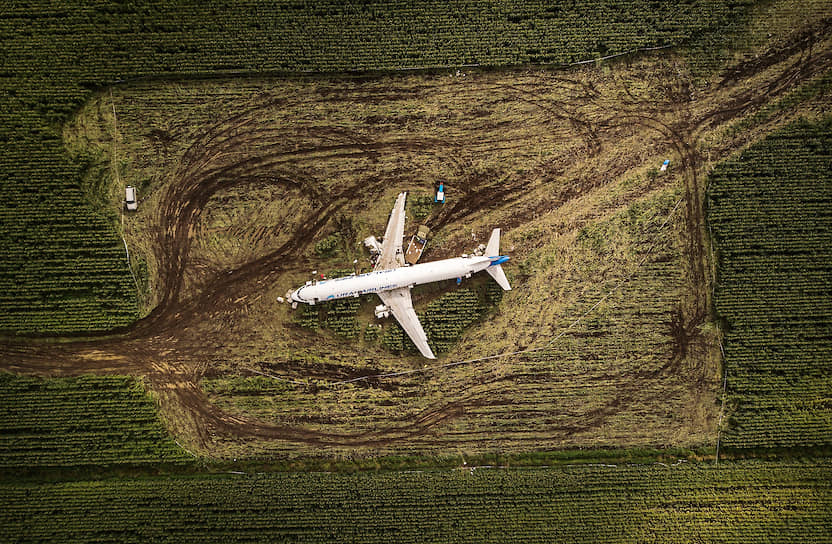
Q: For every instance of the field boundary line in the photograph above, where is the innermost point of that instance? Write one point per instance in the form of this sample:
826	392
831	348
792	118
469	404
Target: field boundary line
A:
487	65
114	164
361	71
722	406
189	452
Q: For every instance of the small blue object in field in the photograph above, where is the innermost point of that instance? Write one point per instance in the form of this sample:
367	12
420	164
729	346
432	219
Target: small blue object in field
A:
440	194
665	164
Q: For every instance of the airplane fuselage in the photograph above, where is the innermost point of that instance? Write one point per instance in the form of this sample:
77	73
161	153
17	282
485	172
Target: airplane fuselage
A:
386	280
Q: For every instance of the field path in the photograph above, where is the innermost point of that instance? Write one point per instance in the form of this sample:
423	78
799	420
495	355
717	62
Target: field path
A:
169	349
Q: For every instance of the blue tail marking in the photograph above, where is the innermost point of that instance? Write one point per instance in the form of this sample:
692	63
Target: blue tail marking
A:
498	260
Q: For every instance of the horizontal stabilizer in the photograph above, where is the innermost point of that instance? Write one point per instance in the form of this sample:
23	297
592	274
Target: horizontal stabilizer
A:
497	273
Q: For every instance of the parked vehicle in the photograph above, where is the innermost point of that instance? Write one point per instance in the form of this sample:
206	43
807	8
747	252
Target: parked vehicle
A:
440	194
130	199
417	245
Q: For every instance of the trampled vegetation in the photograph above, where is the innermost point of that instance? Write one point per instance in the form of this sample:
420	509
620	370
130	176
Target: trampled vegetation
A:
771	213
61	269
749	502
626	365
259	172
272	177
80	422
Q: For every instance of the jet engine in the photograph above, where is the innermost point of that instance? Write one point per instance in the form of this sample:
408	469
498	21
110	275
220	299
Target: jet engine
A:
382	311
373	245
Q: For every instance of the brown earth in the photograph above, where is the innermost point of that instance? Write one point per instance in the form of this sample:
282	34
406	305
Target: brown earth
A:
170	345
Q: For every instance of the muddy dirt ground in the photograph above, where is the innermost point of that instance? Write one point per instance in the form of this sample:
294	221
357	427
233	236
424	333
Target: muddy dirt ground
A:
194	316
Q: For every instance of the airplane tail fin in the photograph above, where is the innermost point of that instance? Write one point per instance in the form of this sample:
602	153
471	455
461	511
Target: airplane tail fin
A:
495	270
493	247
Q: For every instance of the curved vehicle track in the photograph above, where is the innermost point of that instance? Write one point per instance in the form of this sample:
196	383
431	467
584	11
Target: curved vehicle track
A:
160	346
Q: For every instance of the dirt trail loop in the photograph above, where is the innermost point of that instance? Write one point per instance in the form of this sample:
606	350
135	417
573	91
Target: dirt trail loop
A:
163	346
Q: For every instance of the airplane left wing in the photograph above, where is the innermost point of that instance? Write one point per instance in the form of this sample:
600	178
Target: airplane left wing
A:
398	300
392	255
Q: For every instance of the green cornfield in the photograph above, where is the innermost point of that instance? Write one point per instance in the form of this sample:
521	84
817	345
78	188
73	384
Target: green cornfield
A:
62	265
769	212
80	422
734	502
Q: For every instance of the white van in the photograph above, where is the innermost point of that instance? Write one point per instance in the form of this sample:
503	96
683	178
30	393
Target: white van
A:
130	198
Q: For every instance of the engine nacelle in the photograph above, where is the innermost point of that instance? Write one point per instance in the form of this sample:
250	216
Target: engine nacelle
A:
382	311
373	245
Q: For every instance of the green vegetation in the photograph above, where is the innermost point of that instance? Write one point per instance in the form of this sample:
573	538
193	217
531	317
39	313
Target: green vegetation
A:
340	317
769	209
446	318
80	422
736	502
444	321
420	206
306	315
608	349
61	266
327	246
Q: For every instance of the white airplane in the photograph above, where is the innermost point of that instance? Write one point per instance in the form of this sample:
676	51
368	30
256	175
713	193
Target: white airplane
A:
392	279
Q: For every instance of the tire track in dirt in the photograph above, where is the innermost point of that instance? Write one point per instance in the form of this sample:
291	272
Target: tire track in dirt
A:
209	167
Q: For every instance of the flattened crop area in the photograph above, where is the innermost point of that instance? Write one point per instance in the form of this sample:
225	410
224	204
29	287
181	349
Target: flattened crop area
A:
241	179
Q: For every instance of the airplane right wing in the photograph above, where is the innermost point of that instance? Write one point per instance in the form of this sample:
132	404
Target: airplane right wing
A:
392	255
399	302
